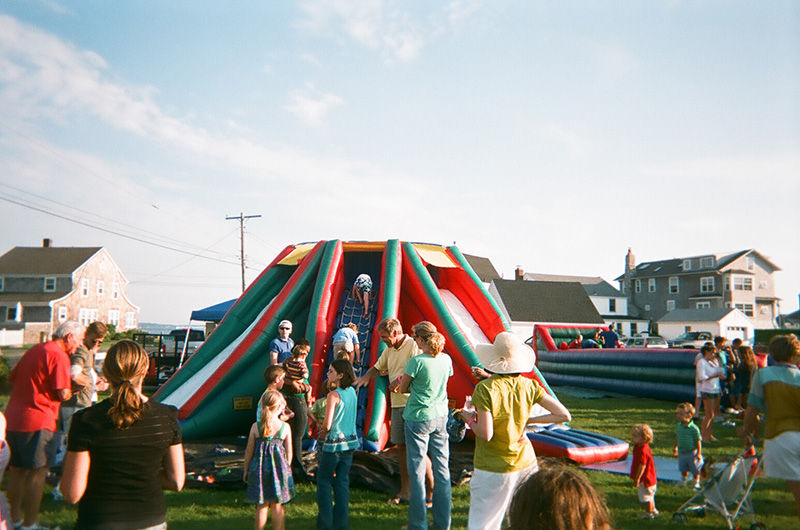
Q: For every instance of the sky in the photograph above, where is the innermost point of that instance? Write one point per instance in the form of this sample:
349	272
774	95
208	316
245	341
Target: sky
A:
548	135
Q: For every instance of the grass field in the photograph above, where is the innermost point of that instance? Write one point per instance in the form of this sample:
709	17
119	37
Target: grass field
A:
214	509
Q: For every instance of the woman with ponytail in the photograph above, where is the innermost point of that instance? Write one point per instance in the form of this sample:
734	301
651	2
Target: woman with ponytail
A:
123	451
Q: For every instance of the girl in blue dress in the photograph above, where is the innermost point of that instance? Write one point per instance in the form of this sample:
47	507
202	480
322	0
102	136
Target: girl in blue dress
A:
266	462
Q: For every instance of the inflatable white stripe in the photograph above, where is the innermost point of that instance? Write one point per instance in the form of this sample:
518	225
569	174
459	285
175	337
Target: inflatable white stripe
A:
183	393
471	330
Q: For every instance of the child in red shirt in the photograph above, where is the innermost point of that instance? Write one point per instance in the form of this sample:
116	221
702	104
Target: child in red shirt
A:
643	469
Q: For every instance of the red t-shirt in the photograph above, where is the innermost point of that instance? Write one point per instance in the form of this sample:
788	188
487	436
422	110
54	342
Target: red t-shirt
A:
39	374
642	455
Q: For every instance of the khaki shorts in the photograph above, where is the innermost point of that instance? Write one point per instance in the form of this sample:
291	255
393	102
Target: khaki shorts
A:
398	433
646	494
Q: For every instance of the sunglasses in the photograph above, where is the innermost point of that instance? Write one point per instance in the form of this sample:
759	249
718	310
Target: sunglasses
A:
290	329
98	341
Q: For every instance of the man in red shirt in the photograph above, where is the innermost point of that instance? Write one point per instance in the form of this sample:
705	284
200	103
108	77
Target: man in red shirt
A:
41	381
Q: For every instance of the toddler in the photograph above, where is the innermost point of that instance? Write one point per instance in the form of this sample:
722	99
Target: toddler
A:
643	469
297	371
688	445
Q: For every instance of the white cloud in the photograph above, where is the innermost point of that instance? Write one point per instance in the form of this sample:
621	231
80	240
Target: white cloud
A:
376	24
312	106
775	169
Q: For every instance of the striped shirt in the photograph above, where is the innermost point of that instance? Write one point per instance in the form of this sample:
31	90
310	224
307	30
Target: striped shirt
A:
688	435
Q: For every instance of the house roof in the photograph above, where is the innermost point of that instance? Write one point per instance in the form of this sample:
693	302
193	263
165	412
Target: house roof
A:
697	315
483	268
674	266
543	301
33	261
593	285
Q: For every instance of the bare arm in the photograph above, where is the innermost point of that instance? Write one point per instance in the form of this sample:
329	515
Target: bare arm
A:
558	412
173	472
248	452
64	394
751	420
287	445
637	476
405	384
357	350
75	475
330	408
273	357
364	379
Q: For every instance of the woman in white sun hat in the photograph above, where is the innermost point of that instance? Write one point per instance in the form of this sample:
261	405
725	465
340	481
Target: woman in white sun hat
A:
504	456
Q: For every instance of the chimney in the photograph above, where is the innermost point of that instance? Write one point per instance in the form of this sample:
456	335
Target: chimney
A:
630	261
519	274
46	242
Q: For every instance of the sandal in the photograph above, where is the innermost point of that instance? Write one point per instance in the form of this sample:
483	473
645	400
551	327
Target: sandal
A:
397	501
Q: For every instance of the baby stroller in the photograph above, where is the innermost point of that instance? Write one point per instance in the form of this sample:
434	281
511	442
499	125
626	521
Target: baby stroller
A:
727	492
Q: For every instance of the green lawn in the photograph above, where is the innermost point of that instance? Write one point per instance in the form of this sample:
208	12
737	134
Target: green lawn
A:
213	509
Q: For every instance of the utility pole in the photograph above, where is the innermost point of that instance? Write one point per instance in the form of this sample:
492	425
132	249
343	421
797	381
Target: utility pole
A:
241	218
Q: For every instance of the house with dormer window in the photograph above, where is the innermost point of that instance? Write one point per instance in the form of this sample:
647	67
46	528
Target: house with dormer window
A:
42	287
743	280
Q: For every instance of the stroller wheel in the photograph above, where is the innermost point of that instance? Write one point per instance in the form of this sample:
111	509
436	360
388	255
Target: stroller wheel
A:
758	526
679	517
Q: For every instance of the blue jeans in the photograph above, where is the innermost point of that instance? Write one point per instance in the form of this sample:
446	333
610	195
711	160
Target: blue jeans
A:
334	470
428	437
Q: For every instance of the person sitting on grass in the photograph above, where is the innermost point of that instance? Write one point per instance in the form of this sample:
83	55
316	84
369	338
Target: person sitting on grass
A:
558	498
643	469
688	446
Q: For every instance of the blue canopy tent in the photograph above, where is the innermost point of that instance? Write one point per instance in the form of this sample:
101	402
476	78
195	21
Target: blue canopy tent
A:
213	313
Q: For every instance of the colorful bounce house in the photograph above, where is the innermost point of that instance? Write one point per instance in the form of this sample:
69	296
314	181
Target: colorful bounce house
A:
655	373
216	391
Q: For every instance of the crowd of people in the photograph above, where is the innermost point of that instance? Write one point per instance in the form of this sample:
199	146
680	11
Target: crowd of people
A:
122	452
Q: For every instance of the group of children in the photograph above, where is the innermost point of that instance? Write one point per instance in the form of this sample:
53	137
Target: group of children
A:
269	452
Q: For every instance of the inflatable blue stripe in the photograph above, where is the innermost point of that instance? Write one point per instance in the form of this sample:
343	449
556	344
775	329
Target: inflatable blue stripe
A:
666	391
627	357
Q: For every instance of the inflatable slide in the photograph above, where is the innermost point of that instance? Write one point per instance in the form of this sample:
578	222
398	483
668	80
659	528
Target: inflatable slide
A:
216	391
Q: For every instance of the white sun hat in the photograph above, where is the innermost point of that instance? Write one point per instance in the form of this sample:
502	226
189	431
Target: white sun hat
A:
508	355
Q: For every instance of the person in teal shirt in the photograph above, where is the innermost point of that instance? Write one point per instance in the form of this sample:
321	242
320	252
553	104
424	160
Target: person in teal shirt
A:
425	417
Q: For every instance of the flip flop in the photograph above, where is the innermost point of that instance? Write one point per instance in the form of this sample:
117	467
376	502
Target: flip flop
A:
396	501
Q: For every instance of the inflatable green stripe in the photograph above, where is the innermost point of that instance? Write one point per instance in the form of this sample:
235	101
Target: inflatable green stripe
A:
390	279
468	268
633	373
316	301
235	323
429	287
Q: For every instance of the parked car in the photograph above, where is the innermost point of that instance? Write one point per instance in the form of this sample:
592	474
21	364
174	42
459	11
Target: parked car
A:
692	340
646	341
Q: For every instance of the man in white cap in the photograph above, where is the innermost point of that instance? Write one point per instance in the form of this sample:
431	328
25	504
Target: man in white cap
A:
281	346
503	404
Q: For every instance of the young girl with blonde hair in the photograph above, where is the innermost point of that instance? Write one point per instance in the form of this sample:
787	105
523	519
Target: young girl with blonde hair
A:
266	462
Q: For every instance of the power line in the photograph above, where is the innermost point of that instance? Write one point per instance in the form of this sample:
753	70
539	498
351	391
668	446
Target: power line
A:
109	231
241	218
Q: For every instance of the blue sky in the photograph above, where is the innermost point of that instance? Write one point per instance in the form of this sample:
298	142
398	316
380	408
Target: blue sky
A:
546	135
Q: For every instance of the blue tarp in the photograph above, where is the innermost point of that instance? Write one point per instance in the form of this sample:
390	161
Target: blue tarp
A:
213	313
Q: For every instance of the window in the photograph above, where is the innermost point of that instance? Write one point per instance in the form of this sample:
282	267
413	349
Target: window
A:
707	284
62	314
707	262
612	305
634	328
674	284
742	284
113	317
84	288
651	285
101	287
49	285
87	316
687	265
727	283
2	284
670	305
115	290
703	305
638	286
747	309
130	320
647	307
11	313
751	263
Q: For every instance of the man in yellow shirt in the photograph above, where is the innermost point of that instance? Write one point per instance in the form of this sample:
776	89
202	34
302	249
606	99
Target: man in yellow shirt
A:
399	349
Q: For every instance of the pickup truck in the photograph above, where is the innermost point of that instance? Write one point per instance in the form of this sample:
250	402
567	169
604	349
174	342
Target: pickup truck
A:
692	340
